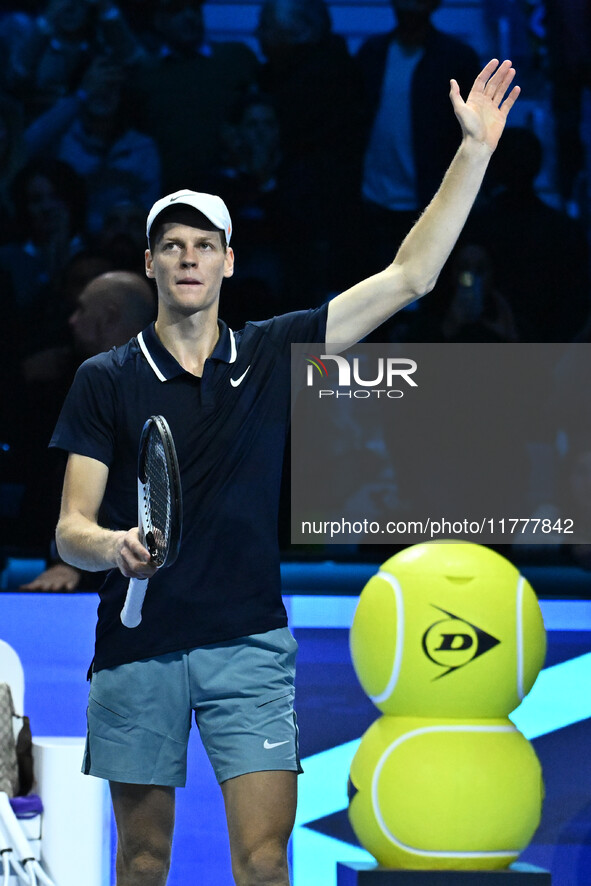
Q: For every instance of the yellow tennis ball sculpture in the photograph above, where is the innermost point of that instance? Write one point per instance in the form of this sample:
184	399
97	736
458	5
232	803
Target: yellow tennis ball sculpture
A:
437	794
447	629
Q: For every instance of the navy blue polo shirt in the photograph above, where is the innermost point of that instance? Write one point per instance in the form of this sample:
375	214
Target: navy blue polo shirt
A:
230	428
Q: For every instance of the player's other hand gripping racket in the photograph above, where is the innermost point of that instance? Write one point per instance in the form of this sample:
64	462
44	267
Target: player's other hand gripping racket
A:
159	508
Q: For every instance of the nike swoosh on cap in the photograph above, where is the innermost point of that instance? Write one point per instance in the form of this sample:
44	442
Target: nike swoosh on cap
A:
236	381
273	744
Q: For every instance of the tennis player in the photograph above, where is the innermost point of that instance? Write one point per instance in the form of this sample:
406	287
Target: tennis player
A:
214	636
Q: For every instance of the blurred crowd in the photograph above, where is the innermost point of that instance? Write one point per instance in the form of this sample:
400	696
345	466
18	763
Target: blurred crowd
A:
325	158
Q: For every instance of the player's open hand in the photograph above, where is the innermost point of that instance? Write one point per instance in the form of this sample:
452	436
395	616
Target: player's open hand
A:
484	113
59	577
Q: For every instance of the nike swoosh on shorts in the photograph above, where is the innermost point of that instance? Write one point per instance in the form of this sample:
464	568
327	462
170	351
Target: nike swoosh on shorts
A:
273	744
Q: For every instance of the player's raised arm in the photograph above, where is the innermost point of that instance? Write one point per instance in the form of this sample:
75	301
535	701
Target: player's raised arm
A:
80	540
418	263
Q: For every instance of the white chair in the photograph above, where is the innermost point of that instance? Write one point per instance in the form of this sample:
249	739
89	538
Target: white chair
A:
71	838
11	672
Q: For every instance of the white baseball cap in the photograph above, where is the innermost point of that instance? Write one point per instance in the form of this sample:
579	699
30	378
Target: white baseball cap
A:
211	206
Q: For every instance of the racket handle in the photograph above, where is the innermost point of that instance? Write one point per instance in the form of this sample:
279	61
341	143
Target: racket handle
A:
131	614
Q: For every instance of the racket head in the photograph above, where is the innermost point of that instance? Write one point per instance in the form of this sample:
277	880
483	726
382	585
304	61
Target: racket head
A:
160	491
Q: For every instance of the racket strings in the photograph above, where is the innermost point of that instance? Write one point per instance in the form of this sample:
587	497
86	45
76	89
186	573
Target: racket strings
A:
157	500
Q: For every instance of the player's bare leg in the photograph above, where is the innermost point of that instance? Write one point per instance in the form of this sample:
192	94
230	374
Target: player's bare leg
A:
260	808
145	822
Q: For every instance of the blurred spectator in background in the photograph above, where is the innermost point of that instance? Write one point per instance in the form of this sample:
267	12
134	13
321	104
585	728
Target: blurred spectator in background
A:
122	238
546	279
42	370
475	310
90	132
183	91
478	312
139	13
412	128
568	35
317	93
83	267
111	309
49	62
11	159
50	208
17	22
249	178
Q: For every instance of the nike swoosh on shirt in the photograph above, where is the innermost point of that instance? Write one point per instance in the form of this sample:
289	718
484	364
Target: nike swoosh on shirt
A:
273	744
236	381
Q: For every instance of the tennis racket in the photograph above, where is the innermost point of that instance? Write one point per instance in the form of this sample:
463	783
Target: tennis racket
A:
160	510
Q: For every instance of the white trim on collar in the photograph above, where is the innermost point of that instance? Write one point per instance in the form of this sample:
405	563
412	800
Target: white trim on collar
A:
159	375
148	357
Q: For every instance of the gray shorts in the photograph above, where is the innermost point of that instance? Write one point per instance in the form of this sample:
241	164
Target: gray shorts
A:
242	692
